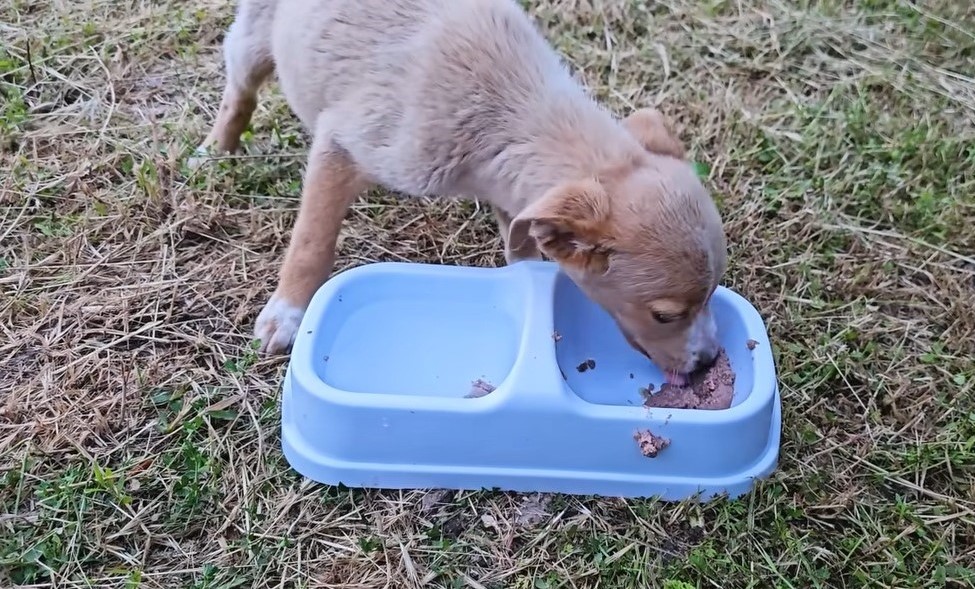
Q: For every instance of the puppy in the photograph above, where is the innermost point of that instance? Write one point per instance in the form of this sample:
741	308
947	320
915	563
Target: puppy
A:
464	98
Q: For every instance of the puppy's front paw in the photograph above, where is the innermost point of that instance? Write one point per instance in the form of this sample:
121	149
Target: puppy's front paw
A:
201	155
277	326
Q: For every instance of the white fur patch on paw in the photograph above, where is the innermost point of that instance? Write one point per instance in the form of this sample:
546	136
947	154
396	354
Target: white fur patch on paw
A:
201	155
277	326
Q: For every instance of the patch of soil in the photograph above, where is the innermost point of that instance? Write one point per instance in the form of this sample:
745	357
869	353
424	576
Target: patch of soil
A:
713	388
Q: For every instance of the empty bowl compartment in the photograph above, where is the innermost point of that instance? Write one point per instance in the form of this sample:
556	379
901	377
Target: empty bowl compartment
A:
428	334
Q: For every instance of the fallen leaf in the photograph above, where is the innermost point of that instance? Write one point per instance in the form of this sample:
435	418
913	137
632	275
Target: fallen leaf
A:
533	510
433	499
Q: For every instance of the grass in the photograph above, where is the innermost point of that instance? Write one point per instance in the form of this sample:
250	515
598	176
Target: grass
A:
139	433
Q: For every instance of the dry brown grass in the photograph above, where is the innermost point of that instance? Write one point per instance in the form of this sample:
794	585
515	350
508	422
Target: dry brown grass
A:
139	437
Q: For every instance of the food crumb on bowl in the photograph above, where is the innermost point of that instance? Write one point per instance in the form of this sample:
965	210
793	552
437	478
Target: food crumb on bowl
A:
479	388
650	444
751	344
587	365
556	336
646	392
713	388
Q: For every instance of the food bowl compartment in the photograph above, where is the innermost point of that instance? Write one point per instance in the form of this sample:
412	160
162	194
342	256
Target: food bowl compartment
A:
412	334
600	366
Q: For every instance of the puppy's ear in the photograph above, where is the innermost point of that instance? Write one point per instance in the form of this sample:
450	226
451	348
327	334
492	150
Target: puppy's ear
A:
654	132
569	224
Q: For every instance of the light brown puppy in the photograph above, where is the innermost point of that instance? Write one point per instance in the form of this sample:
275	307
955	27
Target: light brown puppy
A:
464	98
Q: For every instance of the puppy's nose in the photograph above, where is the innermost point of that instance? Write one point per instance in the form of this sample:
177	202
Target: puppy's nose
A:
704	359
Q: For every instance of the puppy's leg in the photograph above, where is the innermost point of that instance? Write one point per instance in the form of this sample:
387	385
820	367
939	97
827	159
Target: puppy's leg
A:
528	251
332	182
248	63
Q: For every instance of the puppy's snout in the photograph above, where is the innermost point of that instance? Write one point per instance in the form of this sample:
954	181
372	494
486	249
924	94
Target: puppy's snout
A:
703	346
704	359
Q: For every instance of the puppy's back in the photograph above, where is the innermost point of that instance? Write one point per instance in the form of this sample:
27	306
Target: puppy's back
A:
417	89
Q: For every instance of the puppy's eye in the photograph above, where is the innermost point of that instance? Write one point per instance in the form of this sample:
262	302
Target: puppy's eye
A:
664	317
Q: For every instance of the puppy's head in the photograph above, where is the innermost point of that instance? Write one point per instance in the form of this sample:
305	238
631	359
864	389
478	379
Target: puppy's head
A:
645	242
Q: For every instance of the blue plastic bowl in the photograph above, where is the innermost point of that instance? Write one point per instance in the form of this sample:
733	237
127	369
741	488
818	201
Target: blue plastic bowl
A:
376	392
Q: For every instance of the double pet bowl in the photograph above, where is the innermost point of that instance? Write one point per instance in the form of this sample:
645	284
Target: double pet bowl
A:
377	392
